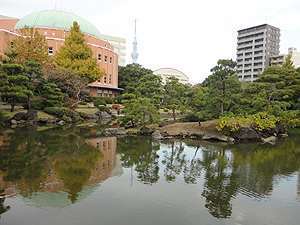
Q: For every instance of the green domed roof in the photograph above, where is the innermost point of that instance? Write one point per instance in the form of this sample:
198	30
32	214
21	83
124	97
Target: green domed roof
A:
58	20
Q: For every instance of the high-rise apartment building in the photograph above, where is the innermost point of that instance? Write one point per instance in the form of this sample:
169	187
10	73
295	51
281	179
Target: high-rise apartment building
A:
119	47
255	46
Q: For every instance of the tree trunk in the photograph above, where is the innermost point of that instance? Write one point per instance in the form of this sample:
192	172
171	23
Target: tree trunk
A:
222	108
174	115
199	122
28	102
13	104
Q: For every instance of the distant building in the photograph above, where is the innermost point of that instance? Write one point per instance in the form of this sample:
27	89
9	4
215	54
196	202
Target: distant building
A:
255	46
55	26
166	73
280	59
119	47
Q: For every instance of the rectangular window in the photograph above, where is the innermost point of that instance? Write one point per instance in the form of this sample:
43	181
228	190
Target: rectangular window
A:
105	59
103	145
110	78
105	78
99	57
12	44
50	50
110	60
99	95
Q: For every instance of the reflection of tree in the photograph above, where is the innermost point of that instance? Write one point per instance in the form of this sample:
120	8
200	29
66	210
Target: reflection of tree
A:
26	159
174	161
141	153
192	169
3	208
220	183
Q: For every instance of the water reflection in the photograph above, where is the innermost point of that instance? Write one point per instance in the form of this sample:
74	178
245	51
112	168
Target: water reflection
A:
58	167
49	167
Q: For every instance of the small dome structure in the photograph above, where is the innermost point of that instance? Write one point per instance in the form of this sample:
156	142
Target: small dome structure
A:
58	20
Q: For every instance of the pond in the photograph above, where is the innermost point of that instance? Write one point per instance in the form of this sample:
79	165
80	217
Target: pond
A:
73	175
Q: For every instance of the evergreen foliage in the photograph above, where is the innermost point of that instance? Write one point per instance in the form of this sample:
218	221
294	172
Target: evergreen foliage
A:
30	45
76	55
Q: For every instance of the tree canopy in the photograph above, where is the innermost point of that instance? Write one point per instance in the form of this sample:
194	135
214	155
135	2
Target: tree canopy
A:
76	55
30	45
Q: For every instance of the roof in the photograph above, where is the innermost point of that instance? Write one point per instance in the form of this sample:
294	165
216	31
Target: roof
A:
7	18
58	20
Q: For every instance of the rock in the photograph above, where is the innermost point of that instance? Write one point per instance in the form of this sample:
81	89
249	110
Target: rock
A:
279	129
157	135
284	135
69	120
32	114
13	122
271	139
215	136
92	117
145	131
165	134
197	135
115	131
180	135
61	122
246	133
167	122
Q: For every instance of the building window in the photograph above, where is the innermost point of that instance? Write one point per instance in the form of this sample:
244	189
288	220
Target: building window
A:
105	78
12	44
110	78
103	145
99	57
99	95
110	60
105	58
97	144
50	50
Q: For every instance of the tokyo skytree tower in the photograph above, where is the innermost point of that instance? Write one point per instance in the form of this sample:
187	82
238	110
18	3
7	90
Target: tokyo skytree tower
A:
134	54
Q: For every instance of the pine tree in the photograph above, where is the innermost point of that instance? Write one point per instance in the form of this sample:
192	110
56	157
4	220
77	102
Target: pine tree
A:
76	55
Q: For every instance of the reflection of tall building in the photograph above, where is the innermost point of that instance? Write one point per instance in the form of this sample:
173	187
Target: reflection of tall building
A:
52	191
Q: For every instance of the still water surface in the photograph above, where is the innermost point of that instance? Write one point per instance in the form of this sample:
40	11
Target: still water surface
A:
77	176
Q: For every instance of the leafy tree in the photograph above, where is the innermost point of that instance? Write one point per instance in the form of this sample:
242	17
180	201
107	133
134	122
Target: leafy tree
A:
138	110
276	86
30	45
76	55
151	87
13	83
223	87
53	94
130	75
174	96
70	83
288	64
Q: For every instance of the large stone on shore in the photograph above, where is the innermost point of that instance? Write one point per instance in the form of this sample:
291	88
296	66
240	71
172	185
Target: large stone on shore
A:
246	134
167	122
29	115
145	131
157	135
279	129
92	117
270	140
197	135
114	131
217	137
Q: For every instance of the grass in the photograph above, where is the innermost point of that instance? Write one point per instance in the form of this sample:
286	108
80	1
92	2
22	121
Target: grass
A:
9	114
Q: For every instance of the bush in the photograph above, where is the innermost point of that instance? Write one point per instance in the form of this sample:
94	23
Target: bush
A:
99	101
2	118
83	103
109	100
38	105
103	108
263	121
190	117
61	112
230	123
166	110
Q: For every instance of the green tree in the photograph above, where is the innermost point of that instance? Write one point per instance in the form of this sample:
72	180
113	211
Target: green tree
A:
278	87
29	45
76	55
130	75
288	64
223	87
174	96
13	83
151	87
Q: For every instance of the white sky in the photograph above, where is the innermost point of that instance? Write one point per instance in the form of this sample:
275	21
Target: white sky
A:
187	35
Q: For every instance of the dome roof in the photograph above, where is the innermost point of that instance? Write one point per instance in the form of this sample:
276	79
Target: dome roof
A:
58	20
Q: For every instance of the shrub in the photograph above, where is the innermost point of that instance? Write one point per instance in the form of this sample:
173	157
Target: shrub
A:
99	101
38	105
109	100
51	110
191	117
103	108
263	121
64	117
61	112
2	118
83	103
230	123
166	110
116	106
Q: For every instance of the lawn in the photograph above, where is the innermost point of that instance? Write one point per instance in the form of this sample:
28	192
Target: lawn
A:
40	113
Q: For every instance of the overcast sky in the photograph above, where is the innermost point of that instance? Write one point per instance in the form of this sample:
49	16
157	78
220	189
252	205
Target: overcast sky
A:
188	35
